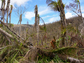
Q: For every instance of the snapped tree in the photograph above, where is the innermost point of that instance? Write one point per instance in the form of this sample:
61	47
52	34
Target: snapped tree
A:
76	8
59	6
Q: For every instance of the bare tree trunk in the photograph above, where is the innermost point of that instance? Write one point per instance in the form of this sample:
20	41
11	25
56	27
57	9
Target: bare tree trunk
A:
63	23
4	32
36	21
20	26
12	31
38	30
10	15
7	11
36	15
3	8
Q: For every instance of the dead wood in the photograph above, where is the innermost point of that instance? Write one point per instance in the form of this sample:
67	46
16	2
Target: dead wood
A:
33	54
4	32
11	30
8	39
74	60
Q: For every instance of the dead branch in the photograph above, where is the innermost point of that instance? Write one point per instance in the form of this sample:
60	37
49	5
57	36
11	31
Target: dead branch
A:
74	60
8	39
11	30
7	34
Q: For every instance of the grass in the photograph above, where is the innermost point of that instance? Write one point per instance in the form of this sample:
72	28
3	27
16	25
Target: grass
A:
56	59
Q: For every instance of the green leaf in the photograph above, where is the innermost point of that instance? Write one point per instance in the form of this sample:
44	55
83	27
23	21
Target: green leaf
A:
14	57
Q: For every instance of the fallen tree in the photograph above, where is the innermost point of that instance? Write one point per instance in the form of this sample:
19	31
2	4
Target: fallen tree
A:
33	54
4	32
12	30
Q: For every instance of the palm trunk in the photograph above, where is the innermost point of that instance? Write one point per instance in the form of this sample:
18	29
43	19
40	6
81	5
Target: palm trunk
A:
38	30
3	8
20	25
10	15
36	21
63	23
36	15
7	11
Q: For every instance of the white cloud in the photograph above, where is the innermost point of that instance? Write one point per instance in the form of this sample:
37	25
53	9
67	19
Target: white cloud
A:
29	15
46	17
41	11
69	15
19	2
0	3
82	9
44	11
53	19
83	14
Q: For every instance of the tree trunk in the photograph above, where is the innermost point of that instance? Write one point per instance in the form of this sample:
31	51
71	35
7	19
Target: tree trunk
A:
4	32
36	15
10	15
8	2
38	31
12	31
63	23
36	22
3	8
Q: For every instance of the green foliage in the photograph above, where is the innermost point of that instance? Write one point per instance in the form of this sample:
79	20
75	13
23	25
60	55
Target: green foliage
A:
11	25
58	42
56	59
55	5
1	25
63	32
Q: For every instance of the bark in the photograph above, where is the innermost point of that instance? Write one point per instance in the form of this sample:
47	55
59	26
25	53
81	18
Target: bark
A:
63	23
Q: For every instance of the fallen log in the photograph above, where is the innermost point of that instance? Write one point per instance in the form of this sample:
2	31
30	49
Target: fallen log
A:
32	56
11	30
74	60
4	32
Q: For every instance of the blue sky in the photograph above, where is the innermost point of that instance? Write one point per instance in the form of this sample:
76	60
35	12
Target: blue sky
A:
44	11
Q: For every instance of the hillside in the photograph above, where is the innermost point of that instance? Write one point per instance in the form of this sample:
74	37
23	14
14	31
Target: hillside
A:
52	29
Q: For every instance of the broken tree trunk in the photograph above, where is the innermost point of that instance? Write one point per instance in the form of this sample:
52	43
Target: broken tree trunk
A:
74	60
4	32
12	30
33	54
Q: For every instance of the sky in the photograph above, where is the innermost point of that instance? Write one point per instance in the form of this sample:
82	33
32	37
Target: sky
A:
45	12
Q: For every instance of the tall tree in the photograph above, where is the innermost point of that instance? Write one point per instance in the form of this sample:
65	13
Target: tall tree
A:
76	8
7	8
19	12
10	15
36	15
3	8
59	6
37	23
